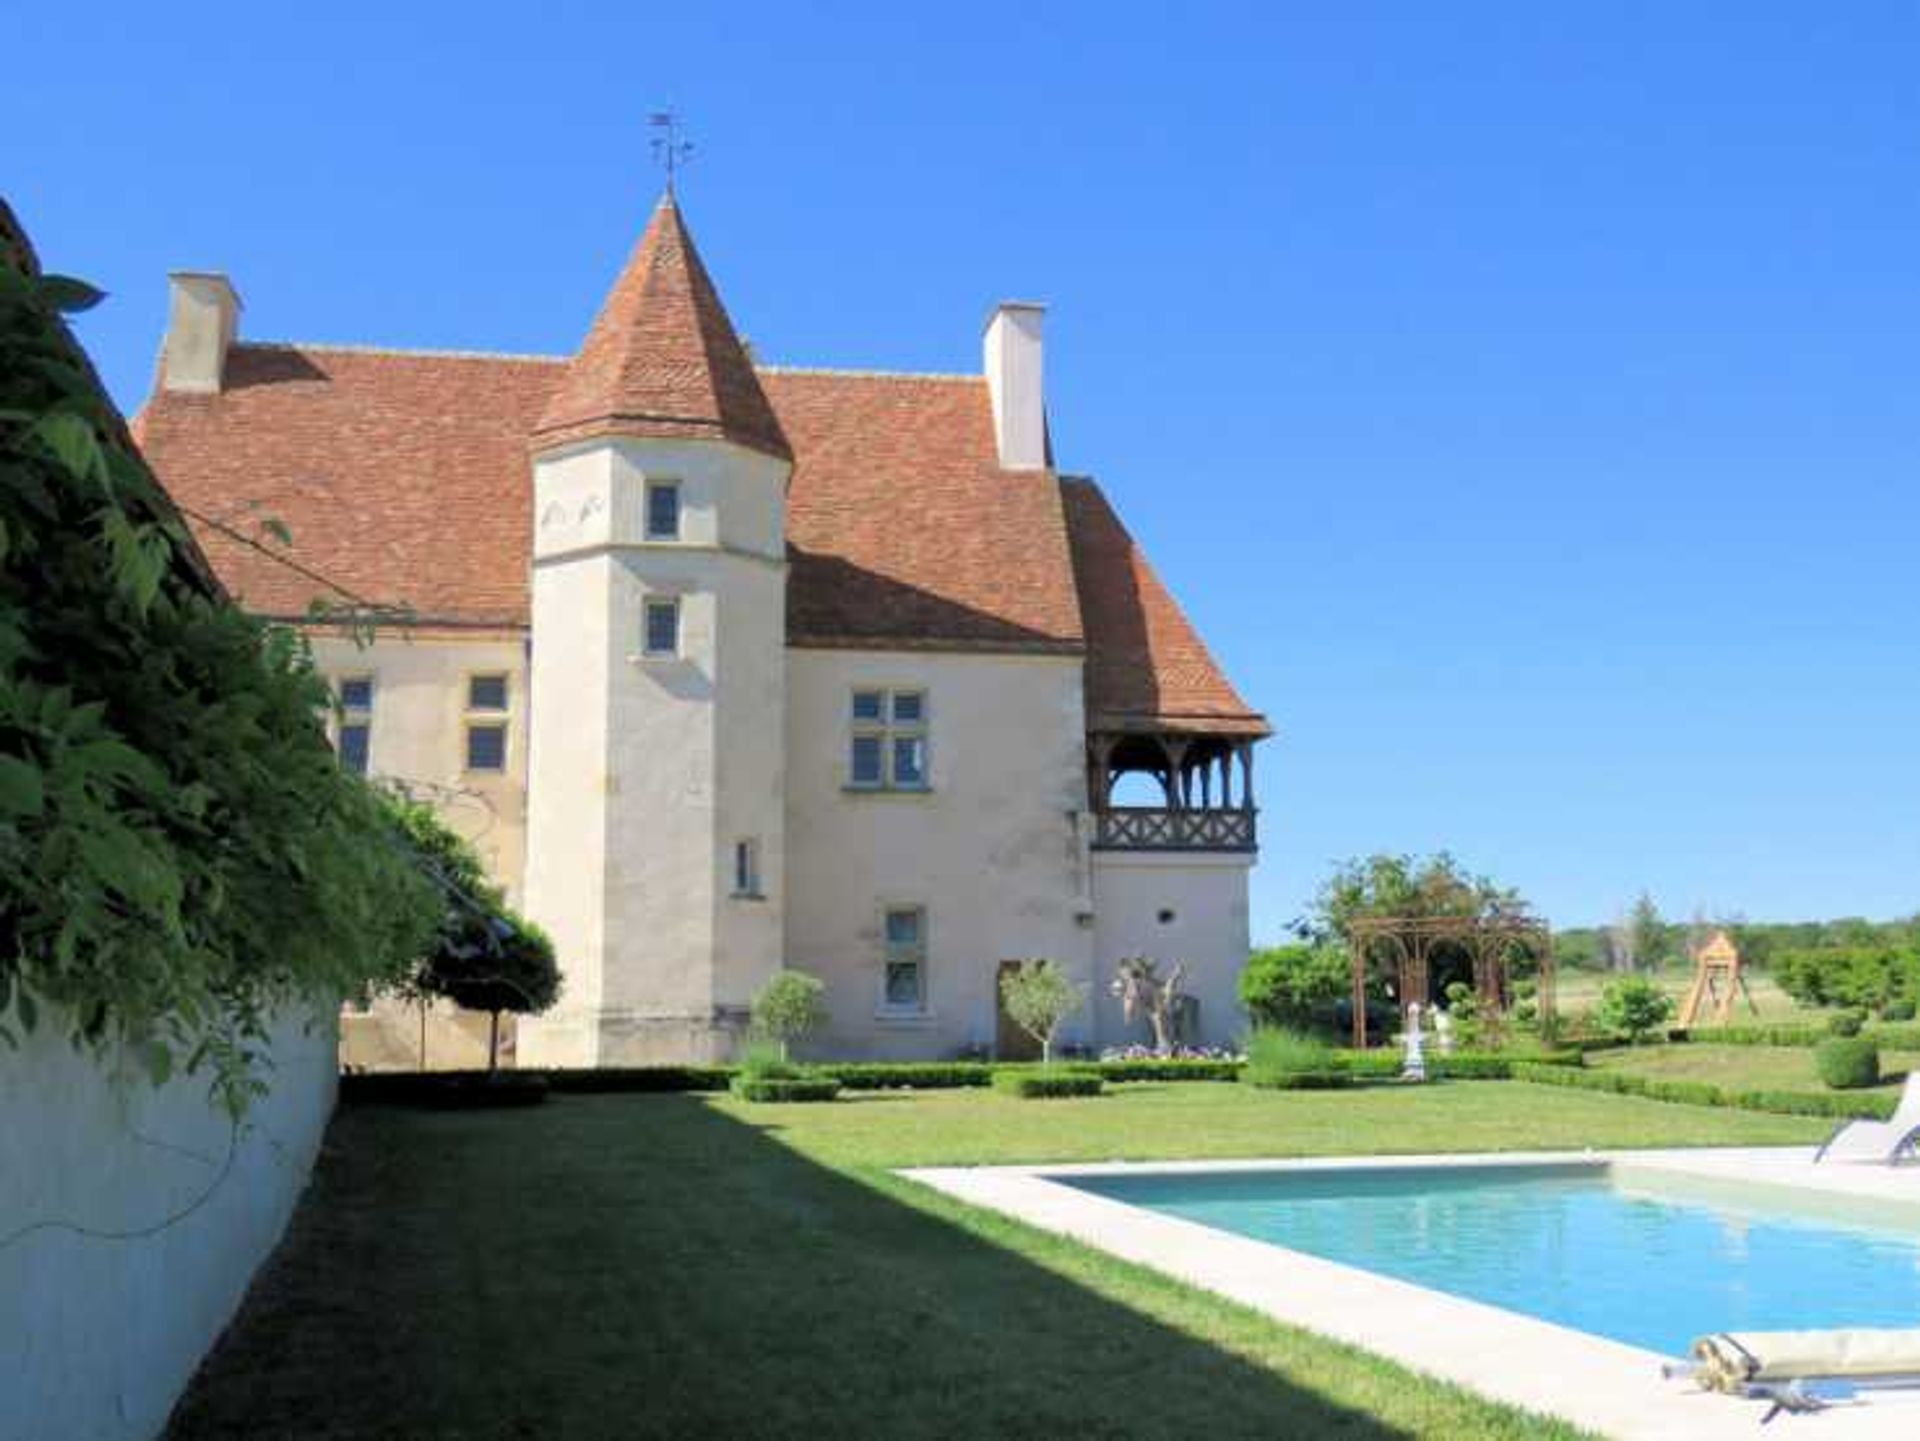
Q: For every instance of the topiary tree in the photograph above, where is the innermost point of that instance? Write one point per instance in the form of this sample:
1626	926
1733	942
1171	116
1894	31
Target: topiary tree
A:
790	1007
1039	996
483	956
1635	1007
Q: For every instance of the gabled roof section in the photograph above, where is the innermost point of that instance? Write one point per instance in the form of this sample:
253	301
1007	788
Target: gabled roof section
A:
1147	668
662	359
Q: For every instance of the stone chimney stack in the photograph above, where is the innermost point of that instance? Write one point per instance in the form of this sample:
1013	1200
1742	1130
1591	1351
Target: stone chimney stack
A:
1014	378
203	319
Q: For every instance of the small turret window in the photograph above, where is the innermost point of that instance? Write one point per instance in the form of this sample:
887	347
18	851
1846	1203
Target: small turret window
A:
661	626
353	725
663	510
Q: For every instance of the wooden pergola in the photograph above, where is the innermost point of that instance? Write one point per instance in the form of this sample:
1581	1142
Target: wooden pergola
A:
1489	940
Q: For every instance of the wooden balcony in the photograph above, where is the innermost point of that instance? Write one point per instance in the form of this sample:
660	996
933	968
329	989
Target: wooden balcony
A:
1155	828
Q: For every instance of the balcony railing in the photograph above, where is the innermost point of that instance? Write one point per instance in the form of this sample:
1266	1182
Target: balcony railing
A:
1151	828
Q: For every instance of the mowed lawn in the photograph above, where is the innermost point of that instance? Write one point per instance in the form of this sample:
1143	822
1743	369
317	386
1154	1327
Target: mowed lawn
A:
690	1266
1760	1068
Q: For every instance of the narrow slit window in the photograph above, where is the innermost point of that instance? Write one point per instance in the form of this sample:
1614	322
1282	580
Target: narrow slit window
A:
746	868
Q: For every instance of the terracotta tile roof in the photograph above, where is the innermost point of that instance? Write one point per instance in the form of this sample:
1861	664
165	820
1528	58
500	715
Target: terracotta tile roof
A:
662	358
1147	667
403	478
903	528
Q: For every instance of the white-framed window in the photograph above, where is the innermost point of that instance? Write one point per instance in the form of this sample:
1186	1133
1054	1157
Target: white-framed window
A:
489	695
663	510
903	968
887	748
353	726
660	626
746	867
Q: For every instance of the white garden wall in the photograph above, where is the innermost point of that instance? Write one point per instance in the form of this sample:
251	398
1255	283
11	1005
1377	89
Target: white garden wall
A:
98	1336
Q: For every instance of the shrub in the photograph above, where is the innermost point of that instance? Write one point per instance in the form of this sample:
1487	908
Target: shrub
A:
1899	1009
1291	1060
1294	986
1635	1007
785	1088
1173	1068
789	1007
1847	1063
1048	1084
1847	1022
1039	995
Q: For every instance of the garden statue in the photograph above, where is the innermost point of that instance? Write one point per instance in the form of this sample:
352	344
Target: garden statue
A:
1140	990
1414	1066
1443	1030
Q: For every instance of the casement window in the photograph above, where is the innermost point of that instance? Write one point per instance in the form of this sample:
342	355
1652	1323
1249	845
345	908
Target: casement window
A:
486	722
353	726
660	626
888	745
746	868
903	982
663	510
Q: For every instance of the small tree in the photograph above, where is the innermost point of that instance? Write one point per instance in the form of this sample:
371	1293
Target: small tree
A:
1039	995
483	956
789	1007
1293	986
1635	1007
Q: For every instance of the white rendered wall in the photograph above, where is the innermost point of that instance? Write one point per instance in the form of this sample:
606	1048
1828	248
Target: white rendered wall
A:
645	770
994	851
1206	893
98	1337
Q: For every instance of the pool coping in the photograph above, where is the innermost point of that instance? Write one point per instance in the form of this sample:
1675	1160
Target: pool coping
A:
1594	1382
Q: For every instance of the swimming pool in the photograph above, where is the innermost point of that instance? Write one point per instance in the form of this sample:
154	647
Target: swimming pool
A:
1638	1255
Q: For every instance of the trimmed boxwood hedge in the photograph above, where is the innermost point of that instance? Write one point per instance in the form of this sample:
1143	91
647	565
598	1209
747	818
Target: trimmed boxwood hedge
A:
1047	1084
1168	1070
1305	1080
908	1075
785	1088
1838	1106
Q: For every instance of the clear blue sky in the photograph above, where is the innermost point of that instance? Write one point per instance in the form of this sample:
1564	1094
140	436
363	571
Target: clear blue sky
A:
1523	399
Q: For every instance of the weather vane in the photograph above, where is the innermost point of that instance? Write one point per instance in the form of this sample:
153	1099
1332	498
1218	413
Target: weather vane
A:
669	150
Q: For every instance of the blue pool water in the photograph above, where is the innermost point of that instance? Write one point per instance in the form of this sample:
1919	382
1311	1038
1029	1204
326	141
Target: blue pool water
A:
1637	1256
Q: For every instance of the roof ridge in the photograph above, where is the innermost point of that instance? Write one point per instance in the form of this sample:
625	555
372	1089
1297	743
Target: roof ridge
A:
423	353
856	373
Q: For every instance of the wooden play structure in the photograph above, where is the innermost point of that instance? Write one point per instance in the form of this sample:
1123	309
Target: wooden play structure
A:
1716	978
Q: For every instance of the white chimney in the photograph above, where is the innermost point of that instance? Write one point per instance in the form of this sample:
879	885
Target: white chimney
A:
202	320
1014	379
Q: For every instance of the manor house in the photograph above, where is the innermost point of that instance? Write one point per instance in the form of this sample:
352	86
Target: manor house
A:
727	666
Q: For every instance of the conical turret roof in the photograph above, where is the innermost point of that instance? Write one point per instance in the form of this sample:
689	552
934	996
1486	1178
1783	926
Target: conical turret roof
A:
662	359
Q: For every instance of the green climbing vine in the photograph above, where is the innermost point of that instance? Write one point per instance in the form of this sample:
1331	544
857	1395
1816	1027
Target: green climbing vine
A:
180	855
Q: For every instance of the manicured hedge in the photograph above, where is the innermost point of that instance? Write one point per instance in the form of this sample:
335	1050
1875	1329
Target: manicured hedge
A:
417	1088
1046	1084
1305	1080
908	1075
1168	1070
1847	1063
1888	1035
1840	1106
785	1088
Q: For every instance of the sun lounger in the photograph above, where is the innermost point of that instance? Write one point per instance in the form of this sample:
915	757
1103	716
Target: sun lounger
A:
1882	1141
